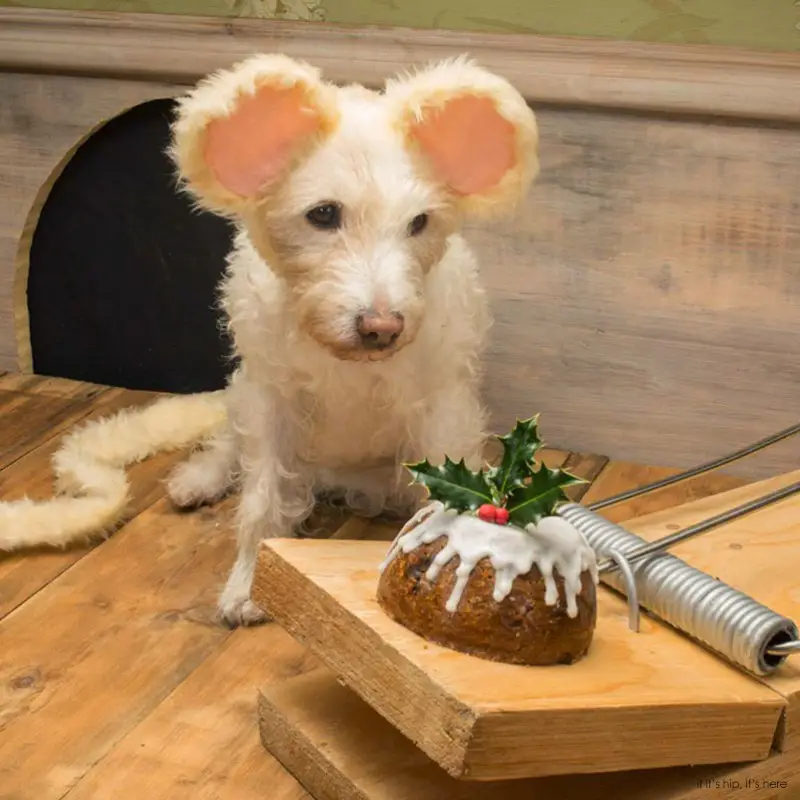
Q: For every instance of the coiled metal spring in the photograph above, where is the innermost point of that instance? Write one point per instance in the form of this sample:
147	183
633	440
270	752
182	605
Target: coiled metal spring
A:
722	618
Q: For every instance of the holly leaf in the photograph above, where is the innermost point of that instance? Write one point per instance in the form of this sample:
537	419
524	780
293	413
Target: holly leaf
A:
453	484
529	503
519	456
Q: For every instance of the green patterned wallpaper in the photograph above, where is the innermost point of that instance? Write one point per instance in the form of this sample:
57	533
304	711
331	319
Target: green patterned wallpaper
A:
761	24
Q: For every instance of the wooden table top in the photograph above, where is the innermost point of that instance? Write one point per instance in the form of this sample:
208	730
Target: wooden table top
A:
118	680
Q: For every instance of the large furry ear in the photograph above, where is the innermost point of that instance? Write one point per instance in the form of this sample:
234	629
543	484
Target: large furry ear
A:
241	130
471	131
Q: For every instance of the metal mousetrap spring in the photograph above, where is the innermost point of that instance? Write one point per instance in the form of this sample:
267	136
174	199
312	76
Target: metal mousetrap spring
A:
722	618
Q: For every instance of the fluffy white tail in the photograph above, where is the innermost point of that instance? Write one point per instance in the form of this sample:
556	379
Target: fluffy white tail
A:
92	489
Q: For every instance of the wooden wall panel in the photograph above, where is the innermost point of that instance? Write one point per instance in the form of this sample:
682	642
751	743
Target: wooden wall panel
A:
647	298
694	79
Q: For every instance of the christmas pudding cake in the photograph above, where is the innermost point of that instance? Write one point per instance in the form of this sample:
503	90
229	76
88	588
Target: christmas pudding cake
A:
488	568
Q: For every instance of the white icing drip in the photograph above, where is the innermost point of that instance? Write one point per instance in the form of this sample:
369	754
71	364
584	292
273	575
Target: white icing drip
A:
552	545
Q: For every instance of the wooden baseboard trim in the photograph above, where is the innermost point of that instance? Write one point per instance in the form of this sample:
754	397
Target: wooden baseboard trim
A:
683	79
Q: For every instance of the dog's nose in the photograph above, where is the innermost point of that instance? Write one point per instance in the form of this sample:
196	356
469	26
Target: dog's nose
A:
379	331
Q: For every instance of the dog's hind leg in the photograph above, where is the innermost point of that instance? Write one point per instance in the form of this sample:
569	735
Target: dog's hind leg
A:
208	474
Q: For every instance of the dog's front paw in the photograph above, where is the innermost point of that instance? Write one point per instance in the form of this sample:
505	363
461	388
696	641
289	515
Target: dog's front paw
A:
241	612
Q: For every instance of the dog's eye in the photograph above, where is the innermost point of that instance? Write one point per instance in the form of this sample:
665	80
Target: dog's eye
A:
327	216
418	224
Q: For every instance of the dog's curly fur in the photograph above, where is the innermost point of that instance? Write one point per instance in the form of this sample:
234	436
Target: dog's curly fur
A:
314	408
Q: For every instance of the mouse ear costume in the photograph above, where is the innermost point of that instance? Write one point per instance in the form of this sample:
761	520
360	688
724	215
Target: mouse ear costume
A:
243	130
471	131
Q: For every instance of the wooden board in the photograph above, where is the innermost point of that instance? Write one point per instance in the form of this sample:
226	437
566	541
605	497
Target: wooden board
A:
43	386
481	720
758	554
28	418
102	645
614	319
24	573
341	749
118	679
202	741
705	80
651	249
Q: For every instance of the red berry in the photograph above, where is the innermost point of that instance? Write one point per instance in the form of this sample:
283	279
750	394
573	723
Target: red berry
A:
501	516
487	512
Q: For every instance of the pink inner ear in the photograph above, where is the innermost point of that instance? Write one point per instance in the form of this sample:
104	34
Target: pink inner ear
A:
470	146
252	145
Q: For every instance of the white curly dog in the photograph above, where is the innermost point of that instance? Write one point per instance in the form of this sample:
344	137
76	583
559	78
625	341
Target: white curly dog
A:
355	306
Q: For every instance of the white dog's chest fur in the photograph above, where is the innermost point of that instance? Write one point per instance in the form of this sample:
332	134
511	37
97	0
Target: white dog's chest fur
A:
356	422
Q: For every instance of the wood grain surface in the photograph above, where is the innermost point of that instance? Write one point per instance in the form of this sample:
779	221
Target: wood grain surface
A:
645	296
757	554
118	681
203	741
125	625
483	720
341	749
21	576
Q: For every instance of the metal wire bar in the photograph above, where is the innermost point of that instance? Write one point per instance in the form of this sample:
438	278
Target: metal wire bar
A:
630	589
785	648
705	525
695	471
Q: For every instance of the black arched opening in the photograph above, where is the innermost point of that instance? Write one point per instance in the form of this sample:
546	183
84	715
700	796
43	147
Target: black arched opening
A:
123	272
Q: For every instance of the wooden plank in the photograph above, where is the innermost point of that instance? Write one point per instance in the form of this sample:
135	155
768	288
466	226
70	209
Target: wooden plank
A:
361	760
95	651
757	554
636	323
483	720
588	466
706	80
31	419
49	386
202	741
24	573
341	749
